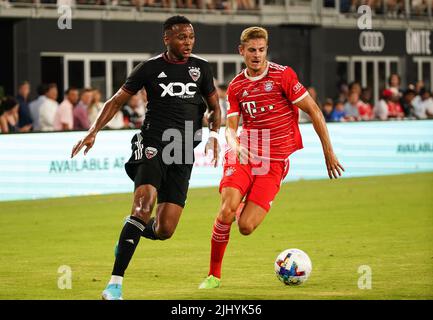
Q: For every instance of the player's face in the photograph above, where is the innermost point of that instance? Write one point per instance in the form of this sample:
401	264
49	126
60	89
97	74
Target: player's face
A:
254	52
180	40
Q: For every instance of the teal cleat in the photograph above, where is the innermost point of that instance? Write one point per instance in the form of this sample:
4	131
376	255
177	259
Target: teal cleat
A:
112	292
211	282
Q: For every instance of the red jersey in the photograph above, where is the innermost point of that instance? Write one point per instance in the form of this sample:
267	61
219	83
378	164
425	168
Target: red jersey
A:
266	103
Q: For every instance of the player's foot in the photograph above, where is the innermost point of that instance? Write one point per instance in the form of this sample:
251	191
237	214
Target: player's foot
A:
239	210
211	282
112	292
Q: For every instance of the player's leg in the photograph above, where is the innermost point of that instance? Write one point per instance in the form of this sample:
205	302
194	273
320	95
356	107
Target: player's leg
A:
234	184
171	200
147	175
260	196
251	217
165	222
144	201
230	200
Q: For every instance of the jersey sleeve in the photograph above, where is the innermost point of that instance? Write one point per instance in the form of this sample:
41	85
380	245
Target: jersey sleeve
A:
135	81
207	87
233	103
293	89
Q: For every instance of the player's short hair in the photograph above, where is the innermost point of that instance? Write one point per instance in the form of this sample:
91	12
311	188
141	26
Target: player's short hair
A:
254	33
170	22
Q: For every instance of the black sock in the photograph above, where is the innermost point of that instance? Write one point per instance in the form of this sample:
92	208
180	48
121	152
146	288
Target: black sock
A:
128	241
149	230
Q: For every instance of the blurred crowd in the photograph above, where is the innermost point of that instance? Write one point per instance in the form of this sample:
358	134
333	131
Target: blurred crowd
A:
391	8
355	103
139	4
80	107
78	110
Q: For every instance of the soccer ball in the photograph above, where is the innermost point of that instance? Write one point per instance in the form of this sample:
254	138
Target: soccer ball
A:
293	267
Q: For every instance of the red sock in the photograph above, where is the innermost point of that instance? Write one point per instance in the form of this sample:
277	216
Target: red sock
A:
220	239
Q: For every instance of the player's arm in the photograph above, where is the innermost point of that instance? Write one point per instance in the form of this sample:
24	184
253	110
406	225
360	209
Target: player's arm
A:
214	122
110	108
309	106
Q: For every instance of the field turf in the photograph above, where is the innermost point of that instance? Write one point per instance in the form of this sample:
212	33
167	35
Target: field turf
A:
385	223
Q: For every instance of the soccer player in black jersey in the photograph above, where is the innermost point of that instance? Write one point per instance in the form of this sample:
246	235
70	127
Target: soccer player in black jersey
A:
177	84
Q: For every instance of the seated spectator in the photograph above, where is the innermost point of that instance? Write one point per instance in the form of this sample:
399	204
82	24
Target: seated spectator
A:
35	106
351	107
407	103
394	83
222	94
395	111
131	115
343	92
25	119
423	104
327	110
64	118
9	115
388	107
48	108
95	107
365	108
80	113
355	87
338	115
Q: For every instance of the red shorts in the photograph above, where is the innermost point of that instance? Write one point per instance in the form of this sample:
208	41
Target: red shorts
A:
258	188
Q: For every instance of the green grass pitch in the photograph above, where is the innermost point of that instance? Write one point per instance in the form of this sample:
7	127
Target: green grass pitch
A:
383	222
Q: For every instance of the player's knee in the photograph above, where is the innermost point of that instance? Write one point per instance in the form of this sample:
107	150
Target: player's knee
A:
142	207
142	211
227	212
246	229
164	231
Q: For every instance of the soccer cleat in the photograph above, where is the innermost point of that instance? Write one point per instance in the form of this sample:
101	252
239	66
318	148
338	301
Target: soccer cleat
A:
112	292
211	282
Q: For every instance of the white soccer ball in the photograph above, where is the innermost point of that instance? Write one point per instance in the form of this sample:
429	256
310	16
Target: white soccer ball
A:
293	267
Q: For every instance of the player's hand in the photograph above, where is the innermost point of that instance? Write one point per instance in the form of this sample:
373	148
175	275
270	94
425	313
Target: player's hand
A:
333	165
243	154
87	141
213	144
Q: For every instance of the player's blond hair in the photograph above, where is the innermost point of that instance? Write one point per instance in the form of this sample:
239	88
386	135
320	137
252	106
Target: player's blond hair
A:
254	33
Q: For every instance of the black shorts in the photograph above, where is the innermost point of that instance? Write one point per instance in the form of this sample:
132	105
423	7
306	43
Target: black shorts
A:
146	166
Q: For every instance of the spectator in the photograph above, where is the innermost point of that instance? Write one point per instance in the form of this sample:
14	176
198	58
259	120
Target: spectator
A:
407	103
64	118
80	113
338	115
48	108
222	94
394	83
356	87
9	115
365	108
351	107
95	107
35	106
327	110
25	119
343	93
395	111
131	116
388	106
423	104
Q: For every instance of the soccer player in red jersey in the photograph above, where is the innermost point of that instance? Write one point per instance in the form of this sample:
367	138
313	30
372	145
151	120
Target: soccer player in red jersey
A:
267	96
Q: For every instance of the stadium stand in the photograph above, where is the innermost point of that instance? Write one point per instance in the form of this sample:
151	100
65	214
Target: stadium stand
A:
383	72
